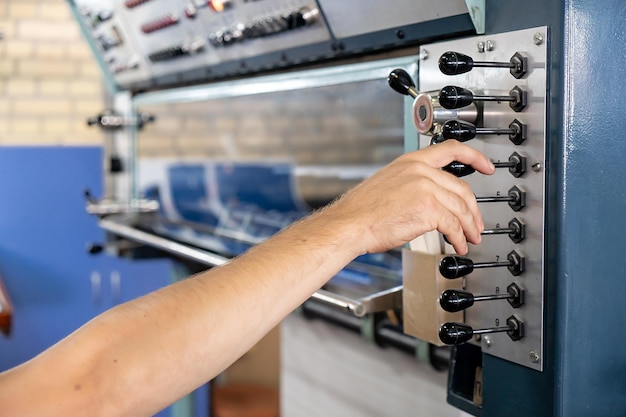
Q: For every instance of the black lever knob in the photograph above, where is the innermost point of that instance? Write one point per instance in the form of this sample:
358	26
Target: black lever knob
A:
459	169
458	300
463	131
454	63
453	97
452	333
401	81
516	165
94	248
455	266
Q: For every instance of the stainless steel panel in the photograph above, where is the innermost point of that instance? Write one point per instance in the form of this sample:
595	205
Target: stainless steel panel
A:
497	81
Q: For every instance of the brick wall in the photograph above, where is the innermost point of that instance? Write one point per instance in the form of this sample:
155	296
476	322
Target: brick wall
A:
49	81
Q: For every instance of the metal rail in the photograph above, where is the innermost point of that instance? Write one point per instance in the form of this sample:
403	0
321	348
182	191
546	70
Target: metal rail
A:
380	301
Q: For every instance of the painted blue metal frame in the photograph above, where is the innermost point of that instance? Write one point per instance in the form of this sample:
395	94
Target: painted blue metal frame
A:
586	229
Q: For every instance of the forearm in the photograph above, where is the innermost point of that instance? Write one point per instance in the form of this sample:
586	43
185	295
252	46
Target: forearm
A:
143	355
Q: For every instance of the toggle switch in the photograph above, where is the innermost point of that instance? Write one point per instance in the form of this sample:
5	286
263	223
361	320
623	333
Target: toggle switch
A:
516	230
515	197
453	97
455	63
160	23
463	131
454	266
453	301
452	333
516	165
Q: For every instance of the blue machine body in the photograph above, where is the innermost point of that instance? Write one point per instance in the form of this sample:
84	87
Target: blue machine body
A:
585	372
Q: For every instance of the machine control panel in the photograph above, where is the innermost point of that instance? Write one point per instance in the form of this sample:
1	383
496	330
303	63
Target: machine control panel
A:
156	44
494	99
143	40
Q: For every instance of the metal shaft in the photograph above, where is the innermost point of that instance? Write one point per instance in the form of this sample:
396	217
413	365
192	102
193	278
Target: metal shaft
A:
486	64
494	98
492	330
500	231
495	131
500	296
496	199
412	92
492	264
507	164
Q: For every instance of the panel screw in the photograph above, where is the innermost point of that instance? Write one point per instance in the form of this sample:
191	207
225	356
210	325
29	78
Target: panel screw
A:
423	54
538	39
534	358
481	47
487	340
536	167
489	46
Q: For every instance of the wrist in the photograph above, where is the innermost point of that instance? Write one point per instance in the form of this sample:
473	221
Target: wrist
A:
342	229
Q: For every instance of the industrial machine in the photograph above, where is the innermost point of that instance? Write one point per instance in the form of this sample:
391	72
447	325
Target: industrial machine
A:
534	312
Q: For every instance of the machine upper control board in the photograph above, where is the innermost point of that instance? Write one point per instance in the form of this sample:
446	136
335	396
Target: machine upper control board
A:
154	44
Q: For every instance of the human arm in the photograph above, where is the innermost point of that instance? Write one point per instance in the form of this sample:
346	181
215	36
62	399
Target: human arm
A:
141	356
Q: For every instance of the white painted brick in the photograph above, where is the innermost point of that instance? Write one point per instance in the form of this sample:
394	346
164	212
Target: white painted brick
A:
44	30
20	87
44	68
21	9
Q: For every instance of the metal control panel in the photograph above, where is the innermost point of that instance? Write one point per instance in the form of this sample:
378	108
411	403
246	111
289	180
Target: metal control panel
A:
154	39
501	92
155	44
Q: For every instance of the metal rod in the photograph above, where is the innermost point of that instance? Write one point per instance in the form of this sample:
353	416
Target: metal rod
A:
492	264
496	199
345	303
487	64
413	92
495	131
500	296
494	98
169	246
507	164
492	330
500	231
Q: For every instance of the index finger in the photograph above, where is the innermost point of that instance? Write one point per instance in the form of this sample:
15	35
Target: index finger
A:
441	154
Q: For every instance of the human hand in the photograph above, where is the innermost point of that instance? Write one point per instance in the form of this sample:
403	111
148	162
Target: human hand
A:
412	196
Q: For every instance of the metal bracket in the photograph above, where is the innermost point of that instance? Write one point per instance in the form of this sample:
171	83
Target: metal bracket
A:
476	10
